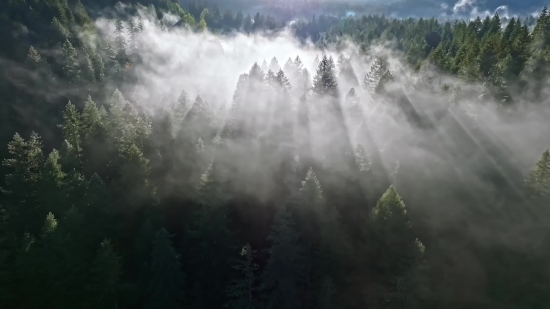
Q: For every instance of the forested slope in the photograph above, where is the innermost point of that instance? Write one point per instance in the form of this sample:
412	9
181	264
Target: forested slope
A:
389	165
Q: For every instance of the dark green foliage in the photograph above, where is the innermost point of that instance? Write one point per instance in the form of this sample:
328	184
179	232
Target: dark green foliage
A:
538	182
71	67
325	82
166	281
106	277
241	292
284	277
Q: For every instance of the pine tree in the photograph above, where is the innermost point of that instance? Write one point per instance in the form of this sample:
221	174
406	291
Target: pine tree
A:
283	81
398	247
241	291
88	73
299	64
21	182
274	65
71	127
538	182
106	278
98	66
99	211
362	159
311	194
34	60
71	68
378	75
346	72
58	33
207	240
324	82
50	190
166	279
285	275
183	106
120	43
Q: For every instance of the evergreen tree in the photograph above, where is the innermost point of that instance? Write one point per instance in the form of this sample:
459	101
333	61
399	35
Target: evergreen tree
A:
166	279
208	240
71	68
71	127
21	182
538	182
324	82
120	43
378	75
88	73
106	278
98	67
241	291
285	274
396	243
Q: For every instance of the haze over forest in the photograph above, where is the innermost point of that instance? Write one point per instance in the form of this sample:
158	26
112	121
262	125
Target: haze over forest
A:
274	154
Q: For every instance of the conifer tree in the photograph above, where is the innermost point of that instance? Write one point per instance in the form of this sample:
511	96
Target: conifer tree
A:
21	182
88	73
299	64
283	81
396	243
324	82
362	158
285	275
166	279
98	66
538	182
241	291
71	68
50	190
71	127
274	65
207	240
346	72
378	75
120	43
106	278
34	60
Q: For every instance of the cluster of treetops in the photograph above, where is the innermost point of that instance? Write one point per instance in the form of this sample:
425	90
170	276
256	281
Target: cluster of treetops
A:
137	210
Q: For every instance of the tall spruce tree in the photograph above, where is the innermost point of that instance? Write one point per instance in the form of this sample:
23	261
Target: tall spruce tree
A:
285	274
166	279
241	292
325	82
105	284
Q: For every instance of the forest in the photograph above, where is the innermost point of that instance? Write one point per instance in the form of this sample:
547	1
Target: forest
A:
165	155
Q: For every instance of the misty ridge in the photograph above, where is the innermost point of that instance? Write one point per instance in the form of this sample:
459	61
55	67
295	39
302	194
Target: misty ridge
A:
161	156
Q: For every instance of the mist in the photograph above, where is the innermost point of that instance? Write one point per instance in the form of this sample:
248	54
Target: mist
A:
454	143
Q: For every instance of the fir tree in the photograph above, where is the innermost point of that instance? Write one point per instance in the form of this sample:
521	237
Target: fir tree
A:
106	278
378	75
120	43
538	182
166	279
241	291
71	127
284	277
208	239
71	68
88	73
324	82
